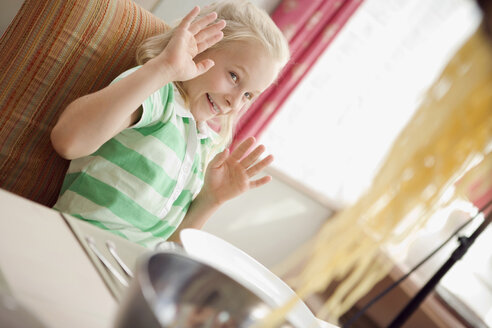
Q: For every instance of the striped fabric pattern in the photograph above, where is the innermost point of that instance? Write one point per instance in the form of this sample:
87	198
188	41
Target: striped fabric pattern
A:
53	52
140	183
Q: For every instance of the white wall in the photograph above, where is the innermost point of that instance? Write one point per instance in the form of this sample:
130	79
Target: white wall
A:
171	10
270	222
8	9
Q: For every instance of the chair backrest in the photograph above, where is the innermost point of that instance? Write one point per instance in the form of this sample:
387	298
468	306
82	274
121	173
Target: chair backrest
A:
53	52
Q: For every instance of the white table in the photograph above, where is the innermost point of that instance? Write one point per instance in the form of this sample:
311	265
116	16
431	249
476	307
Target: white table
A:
47	269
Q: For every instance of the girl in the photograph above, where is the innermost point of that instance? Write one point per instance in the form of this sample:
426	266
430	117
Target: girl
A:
140	146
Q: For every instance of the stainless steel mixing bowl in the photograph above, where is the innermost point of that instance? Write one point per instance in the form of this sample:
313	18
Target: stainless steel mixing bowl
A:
173	289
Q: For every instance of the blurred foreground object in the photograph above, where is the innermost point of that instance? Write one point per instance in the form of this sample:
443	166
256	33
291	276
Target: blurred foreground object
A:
451	130
476	184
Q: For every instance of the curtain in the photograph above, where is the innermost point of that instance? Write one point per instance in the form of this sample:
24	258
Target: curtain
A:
309	26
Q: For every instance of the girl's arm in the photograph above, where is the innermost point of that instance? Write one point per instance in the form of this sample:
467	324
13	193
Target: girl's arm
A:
90	121
227	176
200	210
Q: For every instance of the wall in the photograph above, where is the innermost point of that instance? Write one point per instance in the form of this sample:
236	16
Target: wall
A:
8	9
170	10
271	222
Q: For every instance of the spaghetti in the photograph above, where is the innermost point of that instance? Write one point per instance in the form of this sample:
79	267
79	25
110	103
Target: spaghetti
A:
452	128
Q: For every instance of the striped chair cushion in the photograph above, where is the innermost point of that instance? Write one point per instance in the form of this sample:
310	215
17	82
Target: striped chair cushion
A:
53	52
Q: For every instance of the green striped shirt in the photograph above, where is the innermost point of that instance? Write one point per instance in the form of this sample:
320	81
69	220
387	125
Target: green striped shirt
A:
140	183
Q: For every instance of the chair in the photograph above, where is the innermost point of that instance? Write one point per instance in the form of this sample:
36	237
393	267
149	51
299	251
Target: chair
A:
53	52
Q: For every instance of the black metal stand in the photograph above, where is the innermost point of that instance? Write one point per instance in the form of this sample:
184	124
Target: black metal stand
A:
465	243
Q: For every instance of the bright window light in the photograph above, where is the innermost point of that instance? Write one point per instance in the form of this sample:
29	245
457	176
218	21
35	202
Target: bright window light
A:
337	126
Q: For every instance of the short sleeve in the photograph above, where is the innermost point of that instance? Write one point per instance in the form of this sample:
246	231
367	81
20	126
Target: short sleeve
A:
157	107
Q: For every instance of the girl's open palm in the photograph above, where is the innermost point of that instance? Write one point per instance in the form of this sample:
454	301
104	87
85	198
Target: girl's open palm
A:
229	175
188	40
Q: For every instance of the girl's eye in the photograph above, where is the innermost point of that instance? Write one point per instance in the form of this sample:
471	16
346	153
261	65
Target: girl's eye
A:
233	76
248	95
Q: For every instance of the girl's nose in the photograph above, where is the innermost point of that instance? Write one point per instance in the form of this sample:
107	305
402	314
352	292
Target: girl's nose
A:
234	101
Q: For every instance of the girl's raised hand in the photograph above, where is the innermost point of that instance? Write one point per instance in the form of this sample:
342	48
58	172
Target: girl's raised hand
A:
229	175
188	40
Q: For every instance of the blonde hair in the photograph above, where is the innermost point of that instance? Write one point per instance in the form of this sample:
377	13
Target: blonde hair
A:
244	22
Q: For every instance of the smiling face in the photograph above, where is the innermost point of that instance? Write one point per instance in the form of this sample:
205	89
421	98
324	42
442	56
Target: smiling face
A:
242	71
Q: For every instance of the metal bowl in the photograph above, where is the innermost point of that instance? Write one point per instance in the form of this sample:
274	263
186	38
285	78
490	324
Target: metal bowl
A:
173	289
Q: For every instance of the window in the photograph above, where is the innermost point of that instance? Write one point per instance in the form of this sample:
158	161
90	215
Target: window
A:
335	129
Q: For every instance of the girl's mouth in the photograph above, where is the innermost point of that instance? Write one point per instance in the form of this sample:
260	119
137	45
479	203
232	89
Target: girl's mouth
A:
214	106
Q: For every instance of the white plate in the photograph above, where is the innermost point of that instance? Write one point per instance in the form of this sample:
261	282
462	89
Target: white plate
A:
247	271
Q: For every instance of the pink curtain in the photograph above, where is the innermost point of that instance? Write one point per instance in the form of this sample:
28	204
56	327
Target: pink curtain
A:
309	26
